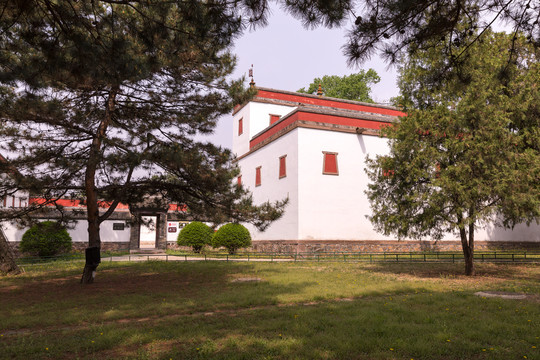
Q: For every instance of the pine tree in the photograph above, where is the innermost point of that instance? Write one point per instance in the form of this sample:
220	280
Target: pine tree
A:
101	100
388	27
469	150
385	27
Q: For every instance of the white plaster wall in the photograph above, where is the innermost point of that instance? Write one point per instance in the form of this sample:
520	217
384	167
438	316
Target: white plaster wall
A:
256	117
260	115
12	232
272	187
334	207
240	143
20	197
78	232
106	232
520	233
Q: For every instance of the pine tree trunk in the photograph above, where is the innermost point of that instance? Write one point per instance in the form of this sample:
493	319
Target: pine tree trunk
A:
94	241
7	258
92	207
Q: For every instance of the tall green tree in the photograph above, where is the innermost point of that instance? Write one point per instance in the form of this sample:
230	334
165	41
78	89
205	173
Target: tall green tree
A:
352	87
384	27
468	152
101	99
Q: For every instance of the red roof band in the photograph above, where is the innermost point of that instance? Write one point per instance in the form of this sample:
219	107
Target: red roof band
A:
328	102
101	204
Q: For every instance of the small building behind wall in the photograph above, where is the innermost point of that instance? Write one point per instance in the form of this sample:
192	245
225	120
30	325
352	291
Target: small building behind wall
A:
314	154
114	232
127	229
140	226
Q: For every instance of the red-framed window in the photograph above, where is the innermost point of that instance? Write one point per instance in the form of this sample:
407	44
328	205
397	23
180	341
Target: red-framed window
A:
239	180
258	176
274	118
240	126
330	163
283	166
13	201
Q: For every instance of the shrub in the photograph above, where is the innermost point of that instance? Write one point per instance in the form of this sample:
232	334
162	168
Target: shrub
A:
47	238
232	237
195	234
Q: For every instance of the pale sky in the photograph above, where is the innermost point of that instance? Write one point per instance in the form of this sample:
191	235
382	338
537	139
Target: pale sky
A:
286	56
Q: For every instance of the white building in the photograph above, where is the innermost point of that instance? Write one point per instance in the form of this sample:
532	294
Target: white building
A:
138	228
11	199
312	150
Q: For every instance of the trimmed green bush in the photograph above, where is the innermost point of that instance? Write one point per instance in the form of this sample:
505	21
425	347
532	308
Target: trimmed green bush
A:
232	237
195	234
47	238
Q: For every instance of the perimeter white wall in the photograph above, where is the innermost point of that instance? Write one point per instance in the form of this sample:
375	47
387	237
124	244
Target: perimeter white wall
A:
78	232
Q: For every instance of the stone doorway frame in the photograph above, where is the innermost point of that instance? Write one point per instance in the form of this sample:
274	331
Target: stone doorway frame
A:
161	227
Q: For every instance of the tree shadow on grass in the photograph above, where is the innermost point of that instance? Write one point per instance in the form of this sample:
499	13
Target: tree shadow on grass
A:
194	311
457	270
134	291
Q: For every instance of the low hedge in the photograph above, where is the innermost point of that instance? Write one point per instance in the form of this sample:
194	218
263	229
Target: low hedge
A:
232	237
47	238
195	234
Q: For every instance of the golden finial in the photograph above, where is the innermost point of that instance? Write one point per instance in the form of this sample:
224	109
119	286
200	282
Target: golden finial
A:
252	82
319	91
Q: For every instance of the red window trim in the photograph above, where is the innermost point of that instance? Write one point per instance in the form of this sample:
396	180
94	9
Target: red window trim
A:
274	118
283	166
239	180
330	171
258	176
5	201
240	126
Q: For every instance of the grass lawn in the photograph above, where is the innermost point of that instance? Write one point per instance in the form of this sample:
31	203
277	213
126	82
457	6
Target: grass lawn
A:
304	310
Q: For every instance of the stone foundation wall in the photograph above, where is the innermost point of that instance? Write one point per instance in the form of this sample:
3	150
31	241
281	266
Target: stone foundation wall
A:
105	246
283	246
173	245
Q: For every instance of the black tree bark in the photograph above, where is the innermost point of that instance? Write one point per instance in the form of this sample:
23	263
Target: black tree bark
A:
7	258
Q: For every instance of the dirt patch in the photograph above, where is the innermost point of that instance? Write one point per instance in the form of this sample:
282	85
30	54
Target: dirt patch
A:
485	272
504	295
247	279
